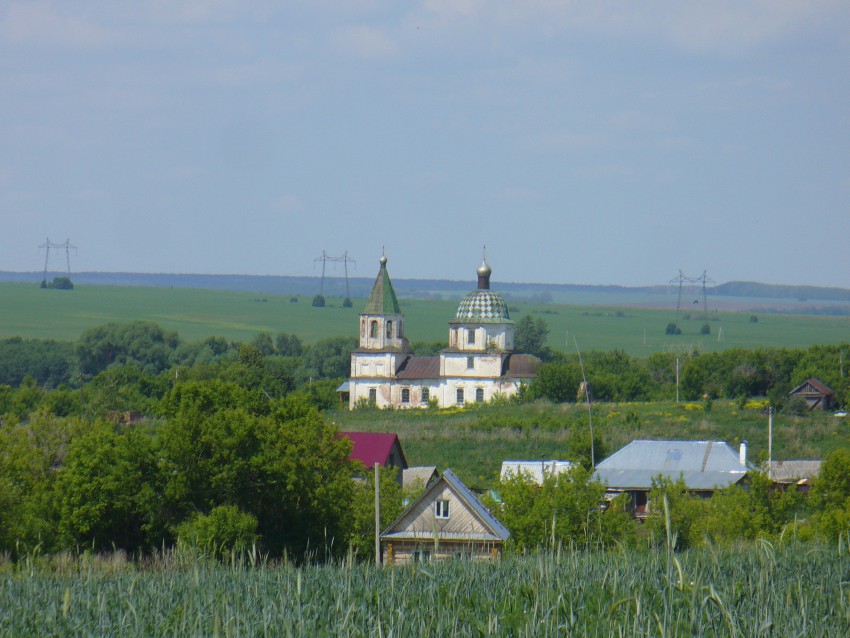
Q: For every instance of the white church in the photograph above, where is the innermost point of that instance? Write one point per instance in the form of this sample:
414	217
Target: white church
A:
478	365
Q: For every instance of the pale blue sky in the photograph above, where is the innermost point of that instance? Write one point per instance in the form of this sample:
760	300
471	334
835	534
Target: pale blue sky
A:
583	142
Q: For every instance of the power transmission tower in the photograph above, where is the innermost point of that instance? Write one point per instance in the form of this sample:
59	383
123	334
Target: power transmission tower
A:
345	259
47	245
691	282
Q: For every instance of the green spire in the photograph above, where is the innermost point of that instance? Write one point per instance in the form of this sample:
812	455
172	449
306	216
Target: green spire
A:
382	300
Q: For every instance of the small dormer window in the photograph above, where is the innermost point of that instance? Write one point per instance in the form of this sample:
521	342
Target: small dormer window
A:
389	329
441	509
470	336
373	329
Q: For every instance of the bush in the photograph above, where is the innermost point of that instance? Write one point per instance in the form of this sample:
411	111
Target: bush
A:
223	530
318	301
673	329
705	330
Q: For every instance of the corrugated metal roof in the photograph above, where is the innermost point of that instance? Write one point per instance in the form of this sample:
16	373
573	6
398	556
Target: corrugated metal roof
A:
642	479
373	447
535	470
420	368
702	464
793	471
443	536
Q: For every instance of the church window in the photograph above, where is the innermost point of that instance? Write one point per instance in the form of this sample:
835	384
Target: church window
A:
405	395
470	337
373	395
426	395
389	329
460	396
479	395
470	363
373	330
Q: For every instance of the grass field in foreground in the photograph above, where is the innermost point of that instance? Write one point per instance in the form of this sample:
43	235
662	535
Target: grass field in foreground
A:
30	312
757	590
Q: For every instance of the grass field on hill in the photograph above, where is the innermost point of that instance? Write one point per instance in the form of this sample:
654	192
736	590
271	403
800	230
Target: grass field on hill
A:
30	312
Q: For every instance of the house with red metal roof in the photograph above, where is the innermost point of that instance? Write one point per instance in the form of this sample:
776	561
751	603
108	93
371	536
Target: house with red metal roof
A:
382	448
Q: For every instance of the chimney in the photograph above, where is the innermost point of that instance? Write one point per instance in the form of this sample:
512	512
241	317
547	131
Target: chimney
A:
742	453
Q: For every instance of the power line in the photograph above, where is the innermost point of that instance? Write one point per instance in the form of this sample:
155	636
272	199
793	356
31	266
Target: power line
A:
47	245
345	259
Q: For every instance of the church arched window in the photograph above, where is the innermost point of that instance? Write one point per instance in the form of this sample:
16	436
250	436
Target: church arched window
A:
389	329
373	329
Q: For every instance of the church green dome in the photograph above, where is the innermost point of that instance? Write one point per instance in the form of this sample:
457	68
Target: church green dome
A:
482	306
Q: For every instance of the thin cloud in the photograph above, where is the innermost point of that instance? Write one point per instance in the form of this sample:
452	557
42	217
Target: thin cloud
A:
366	42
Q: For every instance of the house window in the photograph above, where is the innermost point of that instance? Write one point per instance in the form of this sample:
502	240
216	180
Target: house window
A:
470	363
426	395
373	395
470	336
421	555
373	329
479	395
460	396
405	395
389	329
441	509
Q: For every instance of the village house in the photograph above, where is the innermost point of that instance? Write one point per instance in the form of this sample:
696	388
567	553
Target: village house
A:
536	471
377	447
478	365
704	466
816	394
446	521
796	475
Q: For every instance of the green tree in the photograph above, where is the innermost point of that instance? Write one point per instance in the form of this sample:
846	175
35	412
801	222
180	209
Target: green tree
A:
109	490
142	343
530	336
557	382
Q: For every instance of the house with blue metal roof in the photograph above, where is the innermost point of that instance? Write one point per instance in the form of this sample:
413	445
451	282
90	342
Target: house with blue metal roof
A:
704	466
446	521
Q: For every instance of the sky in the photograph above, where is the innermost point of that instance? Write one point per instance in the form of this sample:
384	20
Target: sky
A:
603	142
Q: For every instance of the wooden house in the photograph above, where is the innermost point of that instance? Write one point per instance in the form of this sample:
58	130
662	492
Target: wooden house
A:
796	475
815	393
446	521
420	477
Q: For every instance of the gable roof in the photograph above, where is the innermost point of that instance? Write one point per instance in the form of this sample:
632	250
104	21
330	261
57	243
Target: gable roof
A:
703	465
813	385
423	474
382	299
792	471
496	530
373	447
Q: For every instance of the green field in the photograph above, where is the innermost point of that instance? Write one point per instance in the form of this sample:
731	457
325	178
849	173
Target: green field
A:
30	312
755	590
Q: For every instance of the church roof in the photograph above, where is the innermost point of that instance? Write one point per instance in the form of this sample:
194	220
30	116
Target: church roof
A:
382	299
482	306
420	368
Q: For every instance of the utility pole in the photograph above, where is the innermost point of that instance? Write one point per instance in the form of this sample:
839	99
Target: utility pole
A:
377	514
770	442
